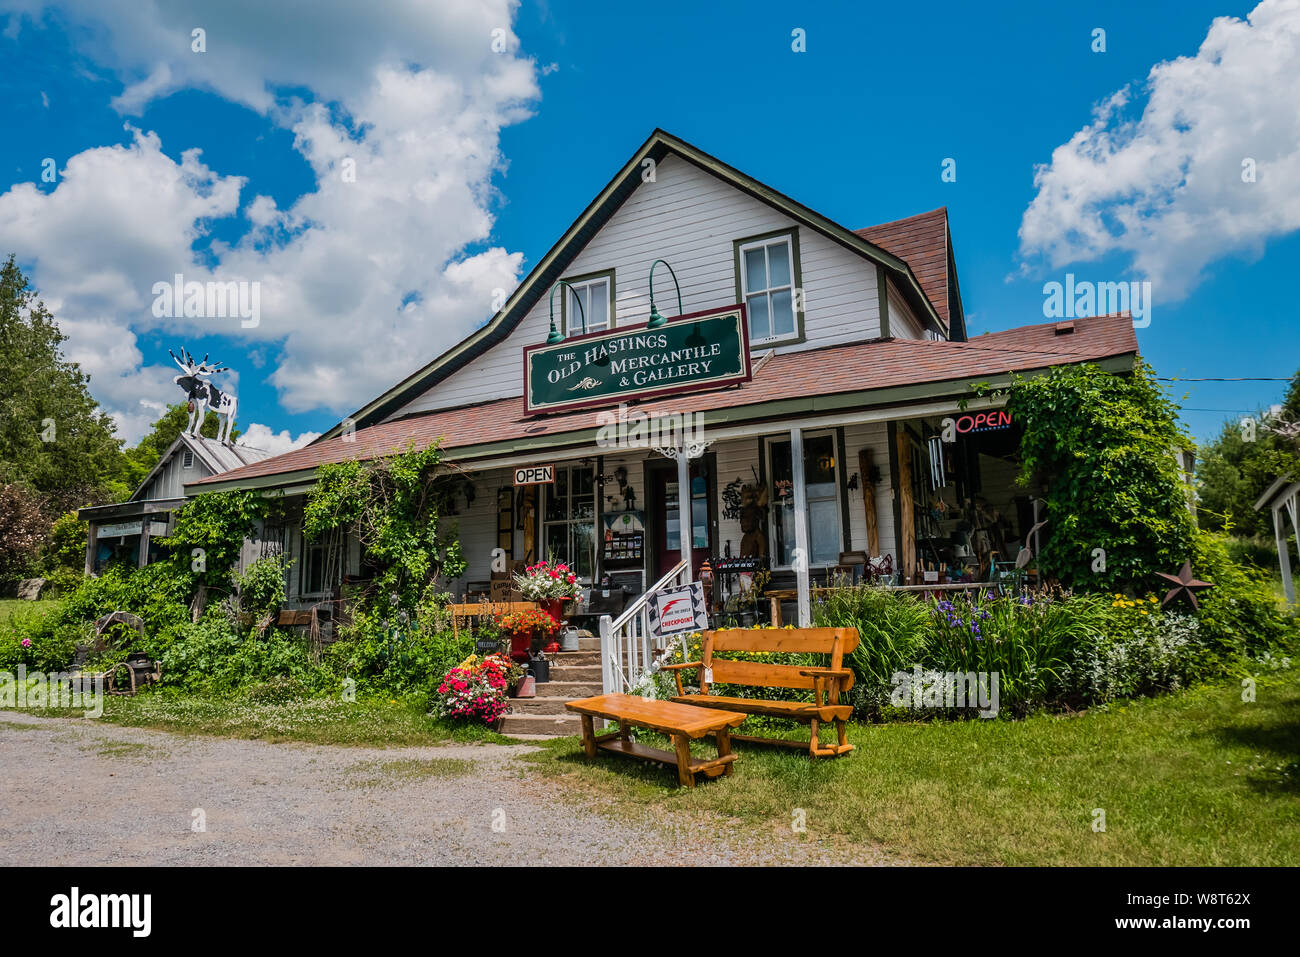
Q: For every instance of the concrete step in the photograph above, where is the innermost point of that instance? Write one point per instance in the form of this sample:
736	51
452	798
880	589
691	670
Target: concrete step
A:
576	657
561	672
548	724
589	644
550	705
568	690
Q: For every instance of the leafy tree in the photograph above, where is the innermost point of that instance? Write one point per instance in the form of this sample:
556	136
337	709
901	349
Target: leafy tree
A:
22	530
1103	448
54	438
1239	464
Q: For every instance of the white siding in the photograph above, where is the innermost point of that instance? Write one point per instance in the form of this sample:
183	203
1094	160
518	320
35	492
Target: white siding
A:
689	218
170	480
903	322
477	529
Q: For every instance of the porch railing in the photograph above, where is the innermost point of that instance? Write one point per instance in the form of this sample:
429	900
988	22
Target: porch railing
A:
628	652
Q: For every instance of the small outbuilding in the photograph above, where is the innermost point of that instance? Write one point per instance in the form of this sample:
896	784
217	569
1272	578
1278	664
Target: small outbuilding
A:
1283	496
127	531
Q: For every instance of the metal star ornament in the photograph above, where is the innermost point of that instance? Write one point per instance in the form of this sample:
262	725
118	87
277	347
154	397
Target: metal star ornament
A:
1184	582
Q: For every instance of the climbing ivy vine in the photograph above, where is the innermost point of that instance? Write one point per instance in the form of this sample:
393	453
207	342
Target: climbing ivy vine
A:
395	506
1103	446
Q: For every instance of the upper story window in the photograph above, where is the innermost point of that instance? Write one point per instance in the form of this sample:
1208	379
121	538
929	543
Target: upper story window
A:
595	292
767	280
187	460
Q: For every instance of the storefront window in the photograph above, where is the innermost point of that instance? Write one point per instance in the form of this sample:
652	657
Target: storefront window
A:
822	490
569	513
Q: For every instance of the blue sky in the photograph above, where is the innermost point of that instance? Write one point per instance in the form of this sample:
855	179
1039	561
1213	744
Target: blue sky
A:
364	285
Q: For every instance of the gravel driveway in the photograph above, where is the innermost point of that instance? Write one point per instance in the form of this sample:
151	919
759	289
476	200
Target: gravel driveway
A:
77	792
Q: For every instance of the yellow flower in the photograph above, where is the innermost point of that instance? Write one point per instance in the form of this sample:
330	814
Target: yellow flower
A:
1154	599
1143	612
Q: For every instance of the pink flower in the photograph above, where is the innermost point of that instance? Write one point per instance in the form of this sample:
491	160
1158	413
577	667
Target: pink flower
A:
27	642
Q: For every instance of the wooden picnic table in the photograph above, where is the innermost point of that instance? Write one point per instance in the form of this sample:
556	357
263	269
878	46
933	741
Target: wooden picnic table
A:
682	722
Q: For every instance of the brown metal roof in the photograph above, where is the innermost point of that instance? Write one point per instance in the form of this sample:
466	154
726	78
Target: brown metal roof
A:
921	241
858	367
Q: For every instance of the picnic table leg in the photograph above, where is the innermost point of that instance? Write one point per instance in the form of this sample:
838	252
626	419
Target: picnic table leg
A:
684	773
723	737
624	730
588	736
812	744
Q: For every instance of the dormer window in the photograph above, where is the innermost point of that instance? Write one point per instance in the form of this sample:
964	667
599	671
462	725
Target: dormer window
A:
767	273
595	292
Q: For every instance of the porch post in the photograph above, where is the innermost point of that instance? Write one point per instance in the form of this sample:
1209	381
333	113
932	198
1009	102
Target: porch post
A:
800	562
1283	554
684	505
143	557
92	546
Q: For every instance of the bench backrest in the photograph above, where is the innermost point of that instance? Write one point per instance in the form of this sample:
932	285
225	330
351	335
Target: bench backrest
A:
836	642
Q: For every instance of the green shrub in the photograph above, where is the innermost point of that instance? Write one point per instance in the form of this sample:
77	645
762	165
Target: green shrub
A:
50	641
211	657
1240	617
261	587
398	655
894	633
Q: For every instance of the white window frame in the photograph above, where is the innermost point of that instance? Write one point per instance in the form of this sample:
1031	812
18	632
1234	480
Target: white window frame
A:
304	547
787	240
573	316
774	516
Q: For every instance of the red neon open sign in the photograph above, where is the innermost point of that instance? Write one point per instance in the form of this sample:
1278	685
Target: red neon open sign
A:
984	421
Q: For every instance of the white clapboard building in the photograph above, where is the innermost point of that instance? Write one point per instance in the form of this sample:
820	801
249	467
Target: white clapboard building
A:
808	402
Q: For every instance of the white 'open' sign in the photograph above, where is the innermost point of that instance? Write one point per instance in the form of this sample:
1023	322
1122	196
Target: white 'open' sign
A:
535	475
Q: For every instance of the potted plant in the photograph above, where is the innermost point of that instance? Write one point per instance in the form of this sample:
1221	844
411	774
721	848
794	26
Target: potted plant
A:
550	584
523	627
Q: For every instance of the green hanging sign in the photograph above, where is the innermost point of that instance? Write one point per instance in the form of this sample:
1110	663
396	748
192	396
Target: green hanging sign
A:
703	350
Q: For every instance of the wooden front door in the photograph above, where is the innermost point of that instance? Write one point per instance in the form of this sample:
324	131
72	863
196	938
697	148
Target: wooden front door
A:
666	505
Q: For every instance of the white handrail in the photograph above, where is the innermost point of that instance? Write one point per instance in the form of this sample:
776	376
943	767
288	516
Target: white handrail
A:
627	650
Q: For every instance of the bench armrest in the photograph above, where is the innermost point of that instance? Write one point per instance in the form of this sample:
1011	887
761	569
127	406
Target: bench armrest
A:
831	677
677	672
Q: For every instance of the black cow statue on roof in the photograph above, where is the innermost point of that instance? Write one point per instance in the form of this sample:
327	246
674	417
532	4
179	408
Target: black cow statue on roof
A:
203	395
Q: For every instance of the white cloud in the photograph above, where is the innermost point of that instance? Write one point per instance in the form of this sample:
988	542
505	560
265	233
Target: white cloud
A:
1166	189
259	436
416	99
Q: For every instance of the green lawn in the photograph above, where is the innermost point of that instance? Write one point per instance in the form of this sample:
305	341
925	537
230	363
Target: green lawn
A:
366	722
11	606
1198	778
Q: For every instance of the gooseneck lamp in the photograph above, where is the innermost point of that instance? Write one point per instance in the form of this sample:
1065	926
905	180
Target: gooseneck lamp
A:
657	320
556	335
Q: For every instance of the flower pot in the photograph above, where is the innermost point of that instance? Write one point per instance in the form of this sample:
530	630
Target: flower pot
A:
521	642
553	607
527	687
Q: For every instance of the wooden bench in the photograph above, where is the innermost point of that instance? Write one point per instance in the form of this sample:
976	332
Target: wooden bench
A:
681	722
827	684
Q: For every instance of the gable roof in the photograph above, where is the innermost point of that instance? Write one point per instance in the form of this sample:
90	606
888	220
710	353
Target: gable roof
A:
214	456
552	267
922	242
818	380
